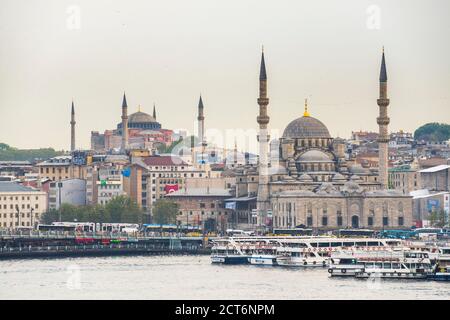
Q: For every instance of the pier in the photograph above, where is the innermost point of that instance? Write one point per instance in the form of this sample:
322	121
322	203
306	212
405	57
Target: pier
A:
53	245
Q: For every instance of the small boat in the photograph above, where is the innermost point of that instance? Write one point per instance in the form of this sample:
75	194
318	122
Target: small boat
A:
227	252
440	274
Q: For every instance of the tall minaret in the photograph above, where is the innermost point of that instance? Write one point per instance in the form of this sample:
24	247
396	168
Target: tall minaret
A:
383	122
262	202
154	111
72	129
124	144
201	121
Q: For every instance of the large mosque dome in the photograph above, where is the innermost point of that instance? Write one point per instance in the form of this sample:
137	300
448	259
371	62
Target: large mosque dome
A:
140	121
306	127
140	117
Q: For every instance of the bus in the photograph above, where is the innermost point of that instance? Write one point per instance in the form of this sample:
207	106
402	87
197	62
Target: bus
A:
293	232
350	233
398	234
58	228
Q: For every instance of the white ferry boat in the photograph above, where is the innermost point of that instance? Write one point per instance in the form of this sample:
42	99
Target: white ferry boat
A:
302	251
226	251
316	252
397	265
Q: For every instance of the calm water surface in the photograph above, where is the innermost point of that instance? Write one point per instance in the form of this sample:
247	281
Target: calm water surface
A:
191	277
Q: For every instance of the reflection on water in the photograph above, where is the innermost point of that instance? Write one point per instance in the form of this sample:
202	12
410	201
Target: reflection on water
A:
191	277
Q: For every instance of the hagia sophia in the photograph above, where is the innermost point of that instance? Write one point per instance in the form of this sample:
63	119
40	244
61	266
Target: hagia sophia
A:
144	132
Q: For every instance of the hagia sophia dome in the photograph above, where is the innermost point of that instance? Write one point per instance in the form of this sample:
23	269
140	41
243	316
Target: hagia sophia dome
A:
141	120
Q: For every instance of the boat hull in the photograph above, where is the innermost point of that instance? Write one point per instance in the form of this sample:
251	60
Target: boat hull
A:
230	259
263	260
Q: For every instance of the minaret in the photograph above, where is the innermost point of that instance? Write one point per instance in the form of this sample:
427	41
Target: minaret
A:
72	129
154	111
383	122
262	202
201	121
124	144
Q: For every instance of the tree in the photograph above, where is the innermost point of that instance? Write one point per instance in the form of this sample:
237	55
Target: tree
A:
437	218
433	132
165	211
121	209
124	209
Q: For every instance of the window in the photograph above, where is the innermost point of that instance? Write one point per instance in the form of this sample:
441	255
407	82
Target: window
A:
400	221
385	221
309	221
339	220
202	205
324	221
370	221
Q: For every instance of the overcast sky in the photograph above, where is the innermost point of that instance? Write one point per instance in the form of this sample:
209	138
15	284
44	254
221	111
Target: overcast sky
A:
170	51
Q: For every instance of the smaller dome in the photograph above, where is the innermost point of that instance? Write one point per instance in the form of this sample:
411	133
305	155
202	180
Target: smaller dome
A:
339	177
358	169
305	178
314	156
355	178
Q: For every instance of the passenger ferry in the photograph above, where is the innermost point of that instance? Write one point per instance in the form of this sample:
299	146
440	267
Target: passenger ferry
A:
226	251
396	265
316	252
302	251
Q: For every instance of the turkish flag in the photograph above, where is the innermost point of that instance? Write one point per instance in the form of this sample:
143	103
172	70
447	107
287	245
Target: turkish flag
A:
169	188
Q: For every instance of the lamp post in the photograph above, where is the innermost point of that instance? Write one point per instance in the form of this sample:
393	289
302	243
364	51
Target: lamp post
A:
18	215
32	212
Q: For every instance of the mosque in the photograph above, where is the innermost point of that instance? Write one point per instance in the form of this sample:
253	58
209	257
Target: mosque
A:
142	131
310	183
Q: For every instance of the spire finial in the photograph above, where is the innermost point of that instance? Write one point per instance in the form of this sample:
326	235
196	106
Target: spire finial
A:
383	73
306	113
73	107
262	71
124	101
154	111
139	108
200	102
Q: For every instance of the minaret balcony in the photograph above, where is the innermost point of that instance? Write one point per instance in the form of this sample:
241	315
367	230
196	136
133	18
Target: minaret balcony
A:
383	102
383	121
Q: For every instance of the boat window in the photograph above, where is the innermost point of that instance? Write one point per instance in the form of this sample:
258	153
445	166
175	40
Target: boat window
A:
361	244
373	243
387	266
324	244
378	265
348	244
336	244
396	266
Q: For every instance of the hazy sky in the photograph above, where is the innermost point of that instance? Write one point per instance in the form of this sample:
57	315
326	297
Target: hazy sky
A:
169	51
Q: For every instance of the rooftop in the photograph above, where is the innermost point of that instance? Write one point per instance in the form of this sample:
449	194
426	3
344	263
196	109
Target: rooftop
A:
435	169
8	186
164	161
201	192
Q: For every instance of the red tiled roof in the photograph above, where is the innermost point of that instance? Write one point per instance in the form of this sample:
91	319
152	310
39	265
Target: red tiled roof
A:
164	161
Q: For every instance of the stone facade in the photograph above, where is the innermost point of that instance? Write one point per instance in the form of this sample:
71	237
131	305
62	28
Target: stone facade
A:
329	208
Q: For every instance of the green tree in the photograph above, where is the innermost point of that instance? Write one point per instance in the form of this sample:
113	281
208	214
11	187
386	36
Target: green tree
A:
433	132
437	218
165	211
124	209
50	216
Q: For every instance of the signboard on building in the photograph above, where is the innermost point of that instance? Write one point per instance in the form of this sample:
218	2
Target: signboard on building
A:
433	205
79	158
169	188
230	205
